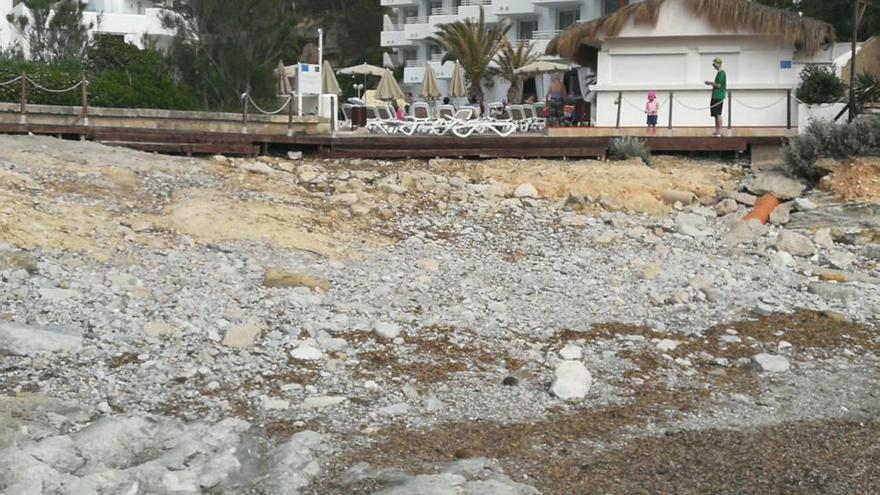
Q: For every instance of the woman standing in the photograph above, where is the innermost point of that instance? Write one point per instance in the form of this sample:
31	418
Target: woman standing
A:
556	99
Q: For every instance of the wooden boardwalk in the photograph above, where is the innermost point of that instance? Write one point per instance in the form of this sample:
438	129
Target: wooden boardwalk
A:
358	145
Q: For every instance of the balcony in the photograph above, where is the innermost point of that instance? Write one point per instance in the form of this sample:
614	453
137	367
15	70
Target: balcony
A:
513	8
396	37
470	9
398	3
557	3
443	16
414	72
417	28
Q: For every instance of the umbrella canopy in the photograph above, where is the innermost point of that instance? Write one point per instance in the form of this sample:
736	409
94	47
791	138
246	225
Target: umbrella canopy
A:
430	88
542	67
459	86
363	69
329	84
283	80
388	88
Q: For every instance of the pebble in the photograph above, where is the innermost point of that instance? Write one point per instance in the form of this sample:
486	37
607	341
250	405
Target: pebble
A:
321	402
386	330
395	409
307	353
770	363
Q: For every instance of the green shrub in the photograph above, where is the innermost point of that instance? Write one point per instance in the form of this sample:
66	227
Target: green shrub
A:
820	85
825	139
120	75
629	147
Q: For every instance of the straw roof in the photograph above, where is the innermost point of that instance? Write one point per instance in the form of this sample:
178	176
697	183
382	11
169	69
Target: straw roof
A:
724	15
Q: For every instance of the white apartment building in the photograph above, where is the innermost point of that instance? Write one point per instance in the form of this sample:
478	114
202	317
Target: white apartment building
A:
409	27
136	21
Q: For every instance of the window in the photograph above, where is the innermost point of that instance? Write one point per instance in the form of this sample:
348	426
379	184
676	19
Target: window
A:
567	18
526	29
609	6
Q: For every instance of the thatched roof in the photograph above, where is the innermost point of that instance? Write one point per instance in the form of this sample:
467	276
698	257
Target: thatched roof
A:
724	15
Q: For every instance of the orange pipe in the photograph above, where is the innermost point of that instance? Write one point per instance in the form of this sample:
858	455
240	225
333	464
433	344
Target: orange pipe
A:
763	208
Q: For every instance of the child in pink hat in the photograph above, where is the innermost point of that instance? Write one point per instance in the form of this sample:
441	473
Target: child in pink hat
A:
651	109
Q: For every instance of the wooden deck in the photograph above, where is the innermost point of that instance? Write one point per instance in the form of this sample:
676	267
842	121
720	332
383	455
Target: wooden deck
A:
558	144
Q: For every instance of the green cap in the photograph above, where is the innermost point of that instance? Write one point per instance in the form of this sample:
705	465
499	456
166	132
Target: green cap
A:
717	61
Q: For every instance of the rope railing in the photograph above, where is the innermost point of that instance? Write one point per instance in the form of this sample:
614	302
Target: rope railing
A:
50	90
288	101
11	81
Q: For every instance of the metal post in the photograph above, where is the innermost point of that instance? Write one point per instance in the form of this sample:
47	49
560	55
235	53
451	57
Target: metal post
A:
788	109
858	9
729	109
321	49
23	102
619	101
299	104
290	115
85	100
671	101
244	112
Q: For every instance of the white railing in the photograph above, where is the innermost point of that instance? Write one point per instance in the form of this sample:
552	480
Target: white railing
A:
416	63
444	11
437	57
475	3
545	35
420	19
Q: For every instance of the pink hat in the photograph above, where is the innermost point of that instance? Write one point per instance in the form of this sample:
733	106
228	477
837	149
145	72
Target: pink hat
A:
652	95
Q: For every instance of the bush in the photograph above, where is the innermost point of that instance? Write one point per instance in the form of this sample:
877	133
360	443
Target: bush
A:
629	147
120	75
820	85
825	139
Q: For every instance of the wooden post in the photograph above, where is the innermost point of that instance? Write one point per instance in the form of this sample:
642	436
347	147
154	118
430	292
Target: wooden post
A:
290	114
671	101
788	109
244	112
619	101
23	102
85	100
729	109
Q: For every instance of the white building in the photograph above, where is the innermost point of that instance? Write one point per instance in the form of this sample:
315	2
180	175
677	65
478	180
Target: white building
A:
412	23
670	50
136	21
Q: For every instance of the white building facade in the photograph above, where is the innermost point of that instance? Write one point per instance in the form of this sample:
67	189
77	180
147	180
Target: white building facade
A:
408	30
138	22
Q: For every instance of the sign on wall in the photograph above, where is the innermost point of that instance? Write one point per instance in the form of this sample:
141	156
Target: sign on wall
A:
785	64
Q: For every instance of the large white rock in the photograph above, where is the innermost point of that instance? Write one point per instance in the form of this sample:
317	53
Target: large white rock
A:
26	340
781	259
571	351
823	238
776	184
526	191
840	259
572	381
771	363
322	402
244	335
386	329
307	353
795	244
690	224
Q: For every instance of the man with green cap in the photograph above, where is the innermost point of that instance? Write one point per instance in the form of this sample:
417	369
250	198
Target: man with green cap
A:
719	92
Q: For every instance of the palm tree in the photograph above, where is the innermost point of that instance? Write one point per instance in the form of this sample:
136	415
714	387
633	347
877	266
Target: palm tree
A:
510	59
473	44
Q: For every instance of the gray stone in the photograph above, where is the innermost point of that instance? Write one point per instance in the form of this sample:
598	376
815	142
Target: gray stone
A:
781	259
833	291
744	198
294	464
840	259
395	409
525	191
572	380
770	363
244	335
690	224
59	295
667	345
322	402
781	215
784	188
387	329
794	244
26	340
571	351
307	353
823	238
726	206
745	232
804	204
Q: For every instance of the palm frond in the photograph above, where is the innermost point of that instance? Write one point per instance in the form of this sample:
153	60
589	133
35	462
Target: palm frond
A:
723	15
